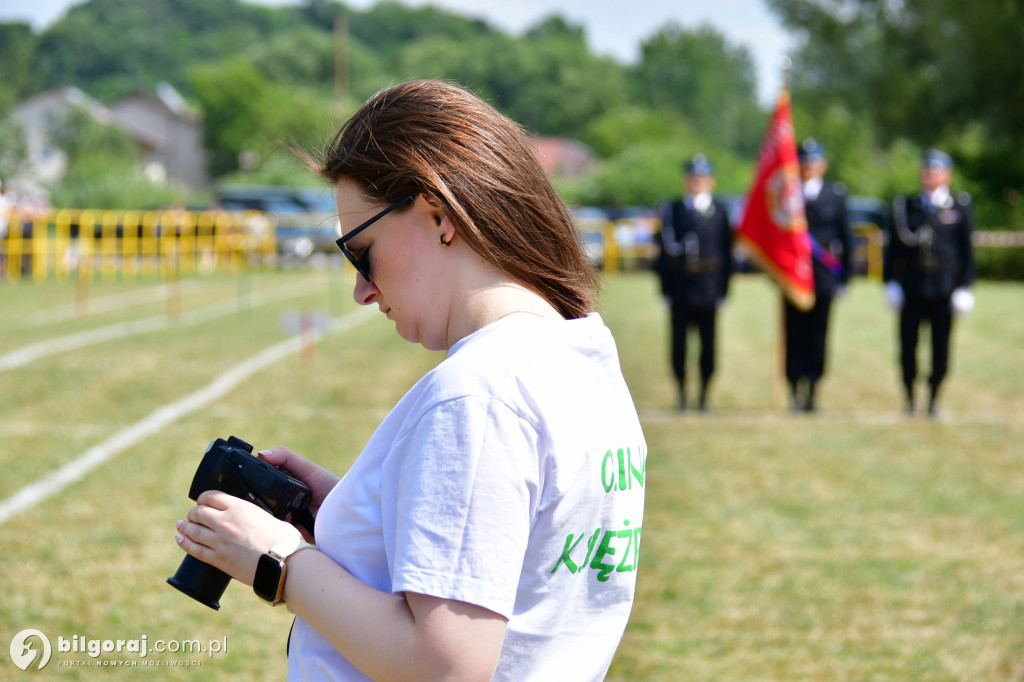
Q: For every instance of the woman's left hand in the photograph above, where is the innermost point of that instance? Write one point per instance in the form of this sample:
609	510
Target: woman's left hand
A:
231	533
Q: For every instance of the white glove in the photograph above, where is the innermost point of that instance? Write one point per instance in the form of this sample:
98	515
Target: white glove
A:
962	301
894	296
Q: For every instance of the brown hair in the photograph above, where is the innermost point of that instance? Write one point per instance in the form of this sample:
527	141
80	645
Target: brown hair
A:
434	138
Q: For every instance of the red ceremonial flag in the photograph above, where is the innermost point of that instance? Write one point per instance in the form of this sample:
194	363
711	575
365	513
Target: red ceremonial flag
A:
774	226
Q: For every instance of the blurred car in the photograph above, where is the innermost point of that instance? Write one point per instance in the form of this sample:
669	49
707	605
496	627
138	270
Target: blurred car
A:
869	218
305	218
868	211
592	224
636	233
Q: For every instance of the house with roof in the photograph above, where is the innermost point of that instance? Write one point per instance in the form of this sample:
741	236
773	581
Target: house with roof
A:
164	115
563	157
168	134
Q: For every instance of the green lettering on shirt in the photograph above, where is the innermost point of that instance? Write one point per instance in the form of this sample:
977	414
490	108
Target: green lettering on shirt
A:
605	549
618	471
600	555
566	551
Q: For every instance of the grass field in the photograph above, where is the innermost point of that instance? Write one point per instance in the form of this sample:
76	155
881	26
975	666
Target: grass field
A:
855	544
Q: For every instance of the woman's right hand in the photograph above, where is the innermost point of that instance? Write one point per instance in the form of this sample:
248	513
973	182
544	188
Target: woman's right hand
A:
320	480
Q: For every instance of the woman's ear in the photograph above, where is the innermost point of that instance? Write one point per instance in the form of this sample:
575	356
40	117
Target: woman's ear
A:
446	230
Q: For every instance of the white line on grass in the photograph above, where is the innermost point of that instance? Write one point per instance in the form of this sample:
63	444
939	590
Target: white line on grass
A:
26	354
107	303
788	419
77	468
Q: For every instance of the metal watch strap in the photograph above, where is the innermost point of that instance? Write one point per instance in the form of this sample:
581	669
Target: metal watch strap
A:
286	549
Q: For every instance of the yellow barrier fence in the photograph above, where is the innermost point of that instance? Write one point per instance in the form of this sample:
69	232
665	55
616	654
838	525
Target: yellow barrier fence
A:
75	244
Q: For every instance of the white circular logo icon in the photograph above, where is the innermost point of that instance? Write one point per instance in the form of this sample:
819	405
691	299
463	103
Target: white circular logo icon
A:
22	652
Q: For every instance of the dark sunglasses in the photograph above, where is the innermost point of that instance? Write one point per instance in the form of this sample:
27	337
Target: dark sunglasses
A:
362	265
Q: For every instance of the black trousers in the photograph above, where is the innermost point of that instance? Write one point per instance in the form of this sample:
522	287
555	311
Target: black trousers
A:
684	317
936	312
806	335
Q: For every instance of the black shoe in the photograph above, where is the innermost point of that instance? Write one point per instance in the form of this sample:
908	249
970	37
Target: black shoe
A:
798	399
809	405
702	401
933	404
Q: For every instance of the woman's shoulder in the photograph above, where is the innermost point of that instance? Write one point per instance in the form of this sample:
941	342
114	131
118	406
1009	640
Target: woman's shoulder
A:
518	347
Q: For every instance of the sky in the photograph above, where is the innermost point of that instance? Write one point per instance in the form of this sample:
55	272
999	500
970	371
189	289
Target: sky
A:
614	28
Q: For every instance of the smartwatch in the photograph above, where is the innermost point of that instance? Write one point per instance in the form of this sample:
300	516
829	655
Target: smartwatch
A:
268	583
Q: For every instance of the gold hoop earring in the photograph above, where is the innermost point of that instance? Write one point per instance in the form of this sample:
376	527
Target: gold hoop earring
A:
443	242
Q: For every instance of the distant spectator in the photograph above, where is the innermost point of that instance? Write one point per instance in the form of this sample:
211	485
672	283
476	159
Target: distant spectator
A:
6	210
6	207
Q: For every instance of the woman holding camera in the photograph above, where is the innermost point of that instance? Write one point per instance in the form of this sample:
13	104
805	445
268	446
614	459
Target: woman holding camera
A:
491	526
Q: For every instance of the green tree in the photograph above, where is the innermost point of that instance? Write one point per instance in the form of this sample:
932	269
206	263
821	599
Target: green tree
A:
13	148
79	135
113	47
699	75
618	129
301	55
389	26
17	59
936	72
15	51
546	80
247	114
560	86
103	170
644	152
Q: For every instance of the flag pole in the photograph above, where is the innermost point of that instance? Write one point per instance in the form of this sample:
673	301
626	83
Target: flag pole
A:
778	388
774	225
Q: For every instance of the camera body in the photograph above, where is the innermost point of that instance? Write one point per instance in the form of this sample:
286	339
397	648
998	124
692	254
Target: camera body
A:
229	466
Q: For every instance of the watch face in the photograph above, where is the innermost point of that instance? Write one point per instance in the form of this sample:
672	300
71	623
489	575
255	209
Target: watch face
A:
268	577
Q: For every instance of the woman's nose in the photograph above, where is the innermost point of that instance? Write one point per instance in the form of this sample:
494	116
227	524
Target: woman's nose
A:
364	291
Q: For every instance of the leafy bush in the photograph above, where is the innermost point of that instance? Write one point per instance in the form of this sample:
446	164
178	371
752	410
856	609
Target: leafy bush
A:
1005	263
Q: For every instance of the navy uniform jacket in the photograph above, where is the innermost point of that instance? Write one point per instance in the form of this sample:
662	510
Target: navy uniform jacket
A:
829	225
929	251
695	262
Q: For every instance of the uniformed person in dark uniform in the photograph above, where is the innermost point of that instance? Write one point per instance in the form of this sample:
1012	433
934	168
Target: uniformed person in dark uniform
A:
695	264
928	269
831	246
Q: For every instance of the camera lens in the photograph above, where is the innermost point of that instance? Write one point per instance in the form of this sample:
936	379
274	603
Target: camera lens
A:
201	581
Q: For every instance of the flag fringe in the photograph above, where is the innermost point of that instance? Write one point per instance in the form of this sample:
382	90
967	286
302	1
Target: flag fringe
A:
801	298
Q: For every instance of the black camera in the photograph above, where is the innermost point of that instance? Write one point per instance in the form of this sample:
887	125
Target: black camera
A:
229	466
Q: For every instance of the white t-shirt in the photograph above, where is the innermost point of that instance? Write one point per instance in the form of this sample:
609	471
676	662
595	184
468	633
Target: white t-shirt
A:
511	477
